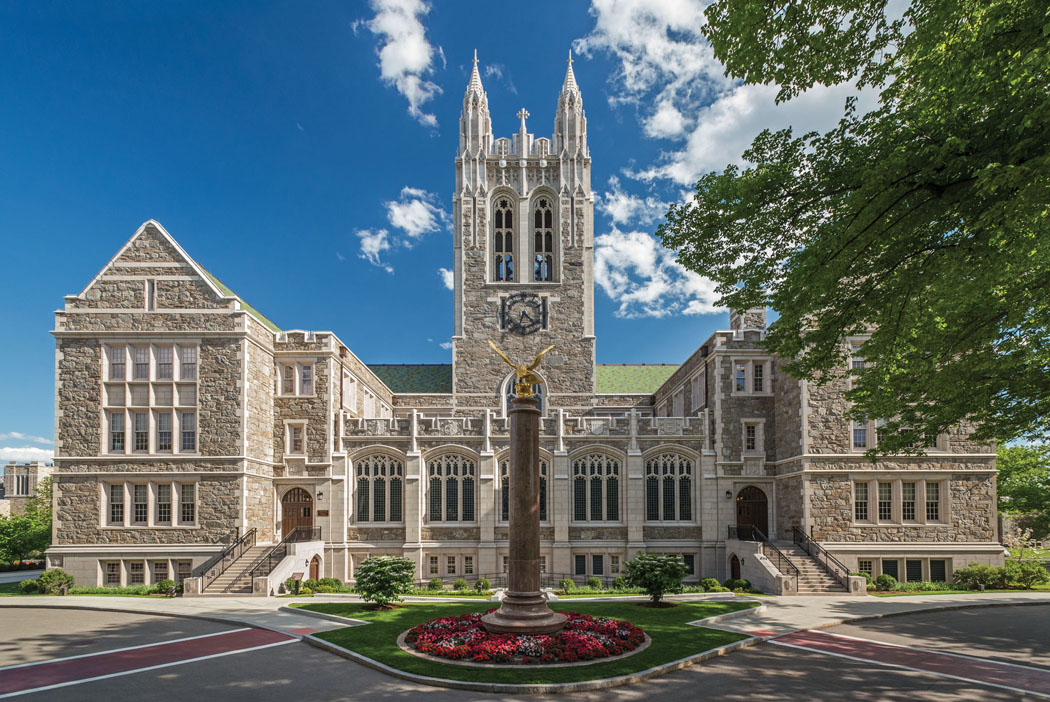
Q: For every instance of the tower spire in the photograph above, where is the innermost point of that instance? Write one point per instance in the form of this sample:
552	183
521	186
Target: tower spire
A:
570	78
475	79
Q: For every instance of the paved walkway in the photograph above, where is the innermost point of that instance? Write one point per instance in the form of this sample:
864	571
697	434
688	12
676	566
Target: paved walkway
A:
17	576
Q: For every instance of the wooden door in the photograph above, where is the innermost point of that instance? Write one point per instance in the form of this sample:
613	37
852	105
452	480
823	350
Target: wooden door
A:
734	567
315	568
751	510
297	510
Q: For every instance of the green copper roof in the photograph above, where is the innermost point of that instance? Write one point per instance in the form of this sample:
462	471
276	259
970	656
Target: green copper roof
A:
259	316
632	379
415	377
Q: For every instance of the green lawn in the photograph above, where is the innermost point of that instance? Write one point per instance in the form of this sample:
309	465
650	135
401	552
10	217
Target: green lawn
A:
1037	588
671	637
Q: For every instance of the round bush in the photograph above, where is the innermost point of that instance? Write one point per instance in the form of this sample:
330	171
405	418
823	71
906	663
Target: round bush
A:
28	587
862	574
435	584
325	589
709	584
335	583
163	586
483	585
51	581
460	584
886	582
594	583
311	583
737	584
657	574
383	579
619	583
566	584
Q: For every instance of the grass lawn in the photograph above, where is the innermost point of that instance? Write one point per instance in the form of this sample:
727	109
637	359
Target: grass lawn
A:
1037	588
671	637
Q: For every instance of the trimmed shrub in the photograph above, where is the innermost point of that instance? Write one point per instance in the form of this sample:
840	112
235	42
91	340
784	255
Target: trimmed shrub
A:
866	576
709	584
129	590
163	586
1030	573
973	575
436	584
460	584
566	584
657	574
51	581
335	583
483	585
619	583
594	583
325	589
737	584
719	588
886	582
383	579
28	587
312	584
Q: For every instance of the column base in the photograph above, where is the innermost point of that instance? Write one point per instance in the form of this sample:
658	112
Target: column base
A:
524	613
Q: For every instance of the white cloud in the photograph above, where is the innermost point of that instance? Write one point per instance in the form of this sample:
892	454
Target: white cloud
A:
25	437
406	58
623	207
373	243
24	454
636	271
448	277
416	214
500	72
445	344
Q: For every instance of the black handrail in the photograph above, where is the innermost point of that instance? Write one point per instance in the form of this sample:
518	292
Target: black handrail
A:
833	566
265	563
228	557
774	554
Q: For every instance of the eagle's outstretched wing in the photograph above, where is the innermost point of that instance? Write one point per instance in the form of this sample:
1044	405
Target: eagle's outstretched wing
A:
502	355
536	362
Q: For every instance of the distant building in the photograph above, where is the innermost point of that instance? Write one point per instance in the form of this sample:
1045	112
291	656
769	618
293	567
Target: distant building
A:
19	483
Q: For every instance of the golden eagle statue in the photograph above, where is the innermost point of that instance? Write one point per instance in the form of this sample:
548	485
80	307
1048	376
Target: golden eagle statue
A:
526	378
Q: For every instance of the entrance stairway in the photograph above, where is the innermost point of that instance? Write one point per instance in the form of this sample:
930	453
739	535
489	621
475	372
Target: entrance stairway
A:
812	578
235	580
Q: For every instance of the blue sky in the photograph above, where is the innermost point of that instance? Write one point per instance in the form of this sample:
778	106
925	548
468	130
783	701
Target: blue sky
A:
303	152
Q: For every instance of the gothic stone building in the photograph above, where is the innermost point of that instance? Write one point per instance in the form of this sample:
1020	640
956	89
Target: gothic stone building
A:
184	416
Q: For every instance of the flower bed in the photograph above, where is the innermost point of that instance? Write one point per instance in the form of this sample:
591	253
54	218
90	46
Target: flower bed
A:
584	638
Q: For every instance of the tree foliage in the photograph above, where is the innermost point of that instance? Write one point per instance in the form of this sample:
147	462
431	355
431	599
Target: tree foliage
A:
383	579
923	222
1024	486
29	534
657	574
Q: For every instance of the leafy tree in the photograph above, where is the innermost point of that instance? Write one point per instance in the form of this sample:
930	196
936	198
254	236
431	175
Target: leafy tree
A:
924	223
657	574
1024	486
383	579
28	534
52	581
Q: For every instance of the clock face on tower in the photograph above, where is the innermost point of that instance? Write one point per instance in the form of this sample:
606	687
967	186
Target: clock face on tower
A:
523	313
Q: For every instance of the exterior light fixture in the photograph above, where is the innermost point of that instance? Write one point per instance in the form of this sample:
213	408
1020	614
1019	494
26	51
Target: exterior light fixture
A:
320	495
729	494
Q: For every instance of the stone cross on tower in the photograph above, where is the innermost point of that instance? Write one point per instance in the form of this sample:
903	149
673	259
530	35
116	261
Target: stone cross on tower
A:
523	114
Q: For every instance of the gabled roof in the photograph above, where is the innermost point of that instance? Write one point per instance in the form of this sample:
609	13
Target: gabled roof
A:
632	378
259	316
415	377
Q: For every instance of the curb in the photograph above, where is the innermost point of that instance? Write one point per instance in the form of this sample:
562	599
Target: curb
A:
537	688
939	608
323	615
715	618
201	617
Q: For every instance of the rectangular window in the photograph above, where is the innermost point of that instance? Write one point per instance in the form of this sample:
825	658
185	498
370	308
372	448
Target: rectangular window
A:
162	395
933	502
506	563
113	574
543	564
938	570
183	570
164	431
151	295
614	564
913	570
141	356
116	504
141	504
597	564
468	565
757	379
117	363
579	499
140	396
187	507
857	359
136	573
160	571
860	502
741	377
860	434
750	437
141	431
885	502
187	395
164	504
433	565
115	395
295	444
165	363
307	385
288	380
188	369
908	502
189	431
450	565
891	567
580	563
866	566
690	563
116	431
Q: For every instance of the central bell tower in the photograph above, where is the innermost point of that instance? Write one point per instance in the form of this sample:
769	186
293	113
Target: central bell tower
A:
523	238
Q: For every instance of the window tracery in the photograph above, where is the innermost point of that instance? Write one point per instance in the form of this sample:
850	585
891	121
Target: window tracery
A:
543	241
596	488
452	488
668	488
380	489
503	241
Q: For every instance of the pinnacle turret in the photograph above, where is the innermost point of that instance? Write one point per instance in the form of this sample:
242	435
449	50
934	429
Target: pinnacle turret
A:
569	86
474	87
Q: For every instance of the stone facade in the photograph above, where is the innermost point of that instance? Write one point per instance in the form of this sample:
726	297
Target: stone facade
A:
284	428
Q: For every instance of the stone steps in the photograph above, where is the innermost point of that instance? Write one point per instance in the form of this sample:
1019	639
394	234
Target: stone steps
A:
812	578
235	579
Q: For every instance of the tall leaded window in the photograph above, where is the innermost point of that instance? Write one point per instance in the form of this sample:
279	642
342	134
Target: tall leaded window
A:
503	241
668	488
453	488
504	490
510	393
596	488
543	240
380	489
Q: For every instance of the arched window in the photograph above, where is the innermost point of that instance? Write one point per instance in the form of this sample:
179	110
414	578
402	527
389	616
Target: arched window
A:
504	490
509	393
668	488
452	488
543	240
380	489
596	488
503	241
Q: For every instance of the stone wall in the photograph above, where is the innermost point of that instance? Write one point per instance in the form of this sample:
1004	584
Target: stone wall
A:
260	401
789	505
79	397
787	438
219	397
259	506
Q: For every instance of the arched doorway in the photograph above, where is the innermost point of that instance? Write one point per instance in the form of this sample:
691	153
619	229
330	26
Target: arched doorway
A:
315	568
297	510
734	567
751	512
